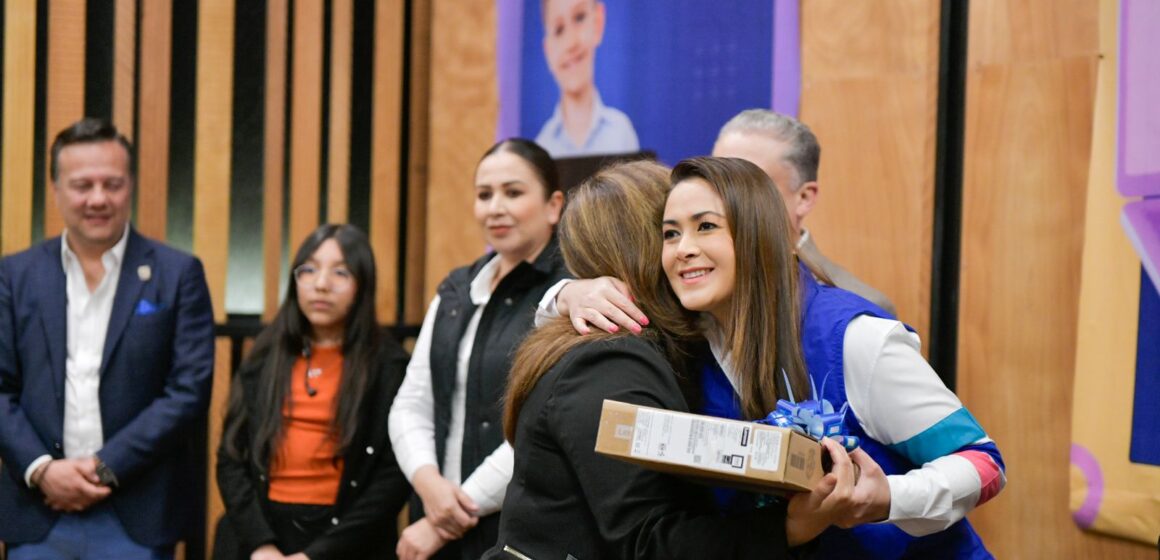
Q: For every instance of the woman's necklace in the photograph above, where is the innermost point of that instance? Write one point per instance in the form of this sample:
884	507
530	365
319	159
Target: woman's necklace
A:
311	372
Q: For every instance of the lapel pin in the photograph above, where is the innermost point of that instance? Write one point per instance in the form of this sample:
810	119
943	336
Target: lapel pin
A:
144	272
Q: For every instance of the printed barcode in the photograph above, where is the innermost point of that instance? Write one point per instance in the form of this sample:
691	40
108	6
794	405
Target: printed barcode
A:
797	461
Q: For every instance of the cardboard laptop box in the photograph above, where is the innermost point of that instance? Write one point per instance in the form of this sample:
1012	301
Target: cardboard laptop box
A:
717	451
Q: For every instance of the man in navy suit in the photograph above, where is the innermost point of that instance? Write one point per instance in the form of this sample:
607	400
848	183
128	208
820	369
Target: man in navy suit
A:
106	362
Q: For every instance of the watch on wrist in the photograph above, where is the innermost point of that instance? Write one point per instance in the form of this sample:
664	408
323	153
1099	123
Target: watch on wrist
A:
105	474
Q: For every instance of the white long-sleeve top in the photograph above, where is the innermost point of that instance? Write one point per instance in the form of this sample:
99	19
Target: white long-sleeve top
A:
412	419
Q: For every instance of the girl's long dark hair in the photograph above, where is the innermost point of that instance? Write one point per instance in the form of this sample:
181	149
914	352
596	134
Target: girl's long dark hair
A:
282	342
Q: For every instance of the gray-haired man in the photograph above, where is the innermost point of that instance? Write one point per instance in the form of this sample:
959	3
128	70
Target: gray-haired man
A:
787	150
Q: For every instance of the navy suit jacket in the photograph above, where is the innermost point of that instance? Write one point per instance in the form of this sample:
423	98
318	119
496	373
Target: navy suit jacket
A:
156	376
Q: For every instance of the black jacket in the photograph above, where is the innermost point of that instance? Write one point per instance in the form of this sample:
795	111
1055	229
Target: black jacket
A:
566	501
371	493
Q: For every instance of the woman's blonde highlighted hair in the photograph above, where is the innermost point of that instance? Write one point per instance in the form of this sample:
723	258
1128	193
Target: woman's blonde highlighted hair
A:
611	227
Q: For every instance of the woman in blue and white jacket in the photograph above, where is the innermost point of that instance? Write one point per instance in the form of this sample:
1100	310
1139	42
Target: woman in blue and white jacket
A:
937	460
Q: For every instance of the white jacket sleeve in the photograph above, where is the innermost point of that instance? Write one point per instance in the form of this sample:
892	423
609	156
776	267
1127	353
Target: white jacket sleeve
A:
901	402
412	418
547	310
487	485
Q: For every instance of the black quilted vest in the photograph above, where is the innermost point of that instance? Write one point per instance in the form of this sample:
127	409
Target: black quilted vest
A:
507	318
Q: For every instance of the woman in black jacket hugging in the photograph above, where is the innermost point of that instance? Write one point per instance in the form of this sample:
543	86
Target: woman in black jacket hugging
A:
566	501
305	465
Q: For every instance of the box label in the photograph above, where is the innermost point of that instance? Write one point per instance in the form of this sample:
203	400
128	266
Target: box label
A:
686	440
766	450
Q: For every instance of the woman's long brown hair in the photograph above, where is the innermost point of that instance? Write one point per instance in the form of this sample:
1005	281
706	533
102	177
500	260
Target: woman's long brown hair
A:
611	227
762	331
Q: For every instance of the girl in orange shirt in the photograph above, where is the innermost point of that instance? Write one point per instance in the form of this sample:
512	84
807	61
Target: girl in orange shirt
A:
305	467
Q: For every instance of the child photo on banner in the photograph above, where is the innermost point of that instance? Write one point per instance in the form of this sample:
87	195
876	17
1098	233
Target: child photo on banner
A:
596	77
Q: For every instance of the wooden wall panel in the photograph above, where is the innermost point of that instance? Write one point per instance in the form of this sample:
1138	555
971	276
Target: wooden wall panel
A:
222	372
16	147
870	94
305	121
213	145
212	178
125	66
386	134
65	88
1030	101
274	159
153	118
463	109
338	160
417	170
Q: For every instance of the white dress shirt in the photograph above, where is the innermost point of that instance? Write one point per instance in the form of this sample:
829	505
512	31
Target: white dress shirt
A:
412	419
88	324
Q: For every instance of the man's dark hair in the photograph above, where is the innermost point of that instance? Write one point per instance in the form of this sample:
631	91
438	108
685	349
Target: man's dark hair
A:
85	131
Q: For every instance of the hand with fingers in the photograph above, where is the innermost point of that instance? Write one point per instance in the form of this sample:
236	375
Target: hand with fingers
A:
71	485
871	497
810	513
604	303
267	552
419	541
450	510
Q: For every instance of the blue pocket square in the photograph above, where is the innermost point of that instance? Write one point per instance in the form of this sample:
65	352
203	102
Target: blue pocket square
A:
146	307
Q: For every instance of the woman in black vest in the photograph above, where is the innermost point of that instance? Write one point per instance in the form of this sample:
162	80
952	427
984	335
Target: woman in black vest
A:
305	465
446	423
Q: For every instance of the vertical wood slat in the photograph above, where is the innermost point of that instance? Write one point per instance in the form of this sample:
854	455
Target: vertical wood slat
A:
153	131
124	66
306	120
463	107
65	87
420	78
211	225
338	173
214	508
16	148
213	144
385	137
274	134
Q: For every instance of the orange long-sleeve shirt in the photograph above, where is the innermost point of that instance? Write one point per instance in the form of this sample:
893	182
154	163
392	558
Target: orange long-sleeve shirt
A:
306	470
